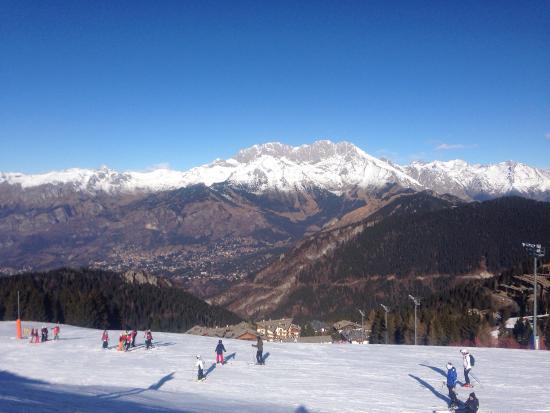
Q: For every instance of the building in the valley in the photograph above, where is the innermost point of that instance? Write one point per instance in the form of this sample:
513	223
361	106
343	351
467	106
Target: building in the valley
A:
241	331
320	327
345	325
351	332
282	329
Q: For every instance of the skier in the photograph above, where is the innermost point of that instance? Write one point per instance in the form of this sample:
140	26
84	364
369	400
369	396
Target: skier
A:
121	340
200	366
467	362
44	334
148	339
220	349
259	354
128	341
134	334
32	335
472	404
105	339
36	336
451	383
55	331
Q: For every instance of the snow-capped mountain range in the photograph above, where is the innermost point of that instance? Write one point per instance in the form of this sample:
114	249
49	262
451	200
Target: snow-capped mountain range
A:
335	167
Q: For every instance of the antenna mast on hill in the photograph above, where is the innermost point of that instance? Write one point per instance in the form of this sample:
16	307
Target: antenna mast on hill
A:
386	310
362	325
416	301
535	251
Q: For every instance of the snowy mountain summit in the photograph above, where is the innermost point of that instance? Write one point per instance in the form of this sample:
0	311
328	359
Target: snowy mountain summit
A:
323	164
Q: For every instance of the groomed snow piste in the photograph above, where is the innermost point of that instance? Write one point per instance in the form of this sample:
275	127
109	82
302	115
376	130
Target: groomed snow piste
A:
75	375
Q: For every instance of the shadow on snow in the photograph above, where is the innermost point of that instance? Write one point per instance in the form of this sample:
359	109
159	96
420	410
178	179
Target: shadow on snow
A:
20	394
431	388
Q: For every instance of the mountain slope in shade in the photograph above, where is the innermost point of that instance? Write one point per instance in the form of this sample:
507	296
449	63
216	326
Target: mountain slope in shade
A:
414	244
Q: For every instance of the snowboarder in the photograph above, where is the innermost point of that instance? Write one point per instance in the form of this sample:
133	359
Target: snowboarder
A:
472	404
134	334
105	339
259	354
148	340
451	383
467	362
220	349
200	366
55	332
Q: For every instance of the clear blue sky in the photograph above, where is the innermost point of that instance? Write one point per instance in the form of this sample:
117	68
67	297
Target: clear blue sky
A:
134	84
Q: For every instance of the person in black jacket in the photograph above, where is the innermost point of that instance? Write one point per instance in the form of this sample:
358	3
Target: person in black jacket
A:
472	404
259	354
219	352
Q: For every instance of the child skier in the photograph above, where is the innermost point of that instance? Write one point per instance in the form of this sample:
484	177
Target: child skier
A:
472	404
55	331
200	366
128	341
134	334
121	340
148	339
105	339
451	383
259	354
467	362
220	349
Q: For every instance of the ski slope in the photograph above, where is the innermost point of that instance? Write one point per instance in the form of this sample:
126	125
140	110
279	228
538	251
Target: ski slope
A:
75	375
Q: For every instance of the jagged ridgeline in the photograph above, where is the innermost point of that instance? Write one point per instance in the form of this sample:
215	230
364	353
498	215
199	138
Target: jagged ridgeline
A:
103	299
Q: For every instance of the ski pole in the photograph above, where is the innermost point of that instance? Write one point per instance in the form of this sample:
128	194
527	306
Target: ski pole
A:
475	378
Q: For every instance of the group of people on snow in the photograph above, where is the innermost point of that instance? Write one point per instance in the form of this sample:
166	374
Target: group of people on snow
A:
127	340
199	364
41	335
471	405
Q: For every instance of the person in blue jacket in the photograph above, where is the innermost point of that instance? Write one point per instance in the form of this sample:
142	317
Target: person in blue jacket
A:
220	349
451	383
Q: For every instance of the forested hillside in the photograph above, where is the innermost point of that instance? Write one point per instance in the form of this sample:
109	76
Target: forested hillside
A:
466	315
103	299
417	250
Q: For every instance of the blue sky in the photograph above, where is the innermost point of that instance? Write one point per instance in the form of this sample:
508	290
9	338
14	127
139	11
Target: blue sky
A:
136	84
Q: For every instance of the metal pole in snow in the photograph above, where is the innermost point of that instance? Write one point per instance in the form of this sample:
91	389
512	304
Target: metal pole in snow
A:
535	309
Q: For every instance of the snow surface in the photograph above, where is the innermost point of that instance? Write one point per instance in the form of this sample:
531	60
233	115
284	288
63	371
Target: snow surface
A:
75	375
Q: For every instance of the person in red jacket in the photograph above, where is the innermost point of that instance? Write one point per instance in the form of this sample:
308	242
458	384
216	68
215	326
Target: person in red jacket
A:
55	331
128	337
105	339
